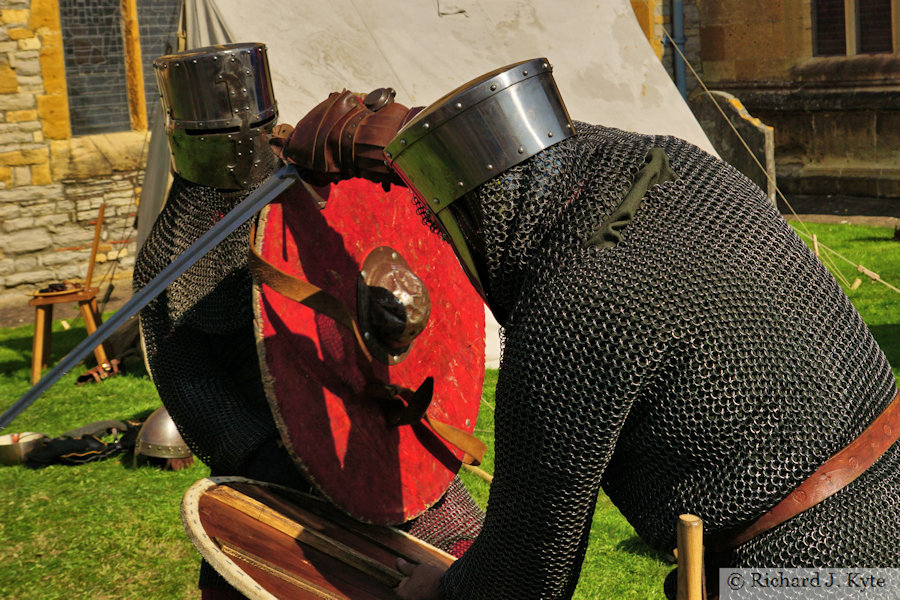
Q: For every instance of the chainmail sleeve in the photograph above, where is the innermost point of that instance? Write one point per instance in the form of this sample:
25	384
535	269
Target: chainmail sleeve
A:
552	444
198	334
706	362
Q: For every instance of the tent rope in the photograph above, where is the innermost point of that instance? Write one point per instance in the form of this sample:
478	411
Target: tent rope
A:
825	258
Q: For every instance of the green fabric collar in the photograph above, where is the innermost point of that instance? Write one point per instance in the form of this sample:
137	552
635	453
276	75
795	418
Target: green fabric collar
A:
656	170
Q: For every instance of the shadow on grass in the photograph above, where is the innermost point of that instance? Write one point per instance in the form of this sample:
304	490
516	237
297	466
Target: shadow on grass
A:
637	546
886	238
888	337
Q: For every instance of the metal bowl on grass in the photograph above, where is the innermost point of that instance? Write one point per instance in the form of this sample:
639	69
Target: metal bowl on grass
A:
15	446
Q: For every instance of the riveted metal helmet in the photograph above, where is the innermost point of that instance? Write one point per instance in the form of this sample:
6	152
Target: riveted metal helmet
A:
475	133
219	104
159	437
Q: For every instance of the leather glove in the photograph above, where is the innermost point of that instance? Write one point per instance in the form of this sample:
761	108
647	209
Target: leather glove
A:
342	137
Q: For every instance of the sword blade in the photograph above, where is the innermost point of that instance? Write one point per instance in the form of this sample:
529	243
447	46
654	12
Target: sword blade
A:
249	206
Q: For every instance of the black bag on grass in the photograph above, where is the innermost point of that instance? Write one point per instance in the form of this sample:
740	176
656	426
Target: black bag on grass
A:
85	444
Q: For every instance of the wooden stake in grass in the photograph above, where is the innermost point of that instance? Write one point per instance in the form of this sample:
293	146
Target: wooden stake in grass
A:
691	578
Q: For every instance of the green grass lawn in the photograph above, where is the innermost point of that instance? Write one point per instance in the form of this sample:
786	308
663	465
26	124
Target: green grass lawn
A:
106	530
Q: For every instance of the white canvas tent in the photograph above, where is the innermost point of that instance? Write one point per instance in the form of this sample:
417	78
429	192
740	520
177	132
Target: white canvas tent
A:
604	66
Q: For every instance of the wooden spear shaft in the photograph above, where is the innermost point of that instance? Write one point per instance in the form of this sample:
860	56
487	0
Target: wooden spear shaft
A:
691	584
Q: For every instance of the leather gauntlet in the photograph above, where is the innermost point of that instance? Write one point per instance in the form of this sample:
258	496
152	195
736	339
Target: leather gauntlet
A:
343	137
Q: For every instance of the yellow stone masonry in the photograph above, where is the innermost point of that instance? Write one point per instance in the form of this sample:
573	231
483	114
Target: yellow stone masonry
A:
53	112
19	33
5	176
97	155
45	13
8	82
24	157
9	15
18	116
40	174
53	70
31	43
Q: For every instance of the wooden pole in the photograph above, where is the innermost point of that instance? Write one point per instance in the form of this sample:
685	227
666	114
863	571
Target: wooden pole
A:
134	74
479	472
691	583
94	246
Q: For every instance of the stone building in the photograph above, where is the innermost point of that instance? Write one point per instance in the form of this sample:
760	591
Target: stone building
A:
824	73
76	89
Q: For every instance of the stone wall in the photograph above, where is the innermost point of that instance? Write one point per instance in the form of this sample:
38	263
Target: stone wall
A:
51	185
836	118
691	51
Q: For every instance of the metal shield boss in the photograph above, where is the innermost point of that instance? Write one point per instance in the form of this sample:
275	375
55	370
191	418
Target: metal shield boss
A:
337	394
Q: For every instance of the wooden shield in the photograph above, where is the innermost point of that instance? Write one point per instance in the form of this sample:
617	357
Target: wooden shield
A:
317	378
272	542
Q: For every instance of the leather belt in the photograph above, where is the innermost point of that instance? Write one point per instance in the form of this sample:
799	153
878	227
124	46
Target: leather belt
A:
837	472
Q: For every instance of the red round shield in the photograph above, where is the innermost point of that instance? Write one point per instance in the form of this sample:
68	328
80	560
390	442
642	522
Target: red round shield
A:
316	376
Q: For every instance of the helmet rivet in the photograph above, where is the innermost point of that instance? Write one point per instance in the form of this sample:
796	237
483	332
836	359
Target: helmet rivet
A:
388	154
458	105
490	167
524	72
403	142
437	200
521	150
394	255
545	65
493	87
426	125
215	58
362	274
367	335
460	184
549	134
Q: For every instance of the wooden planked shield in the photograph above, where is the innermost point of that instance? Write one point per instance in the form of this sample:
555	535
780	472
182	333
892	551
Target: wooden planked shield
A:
272	542
316	376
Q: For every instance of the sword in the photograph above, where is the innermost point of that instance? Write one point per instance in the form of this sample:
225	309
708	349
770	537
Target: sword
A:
280	181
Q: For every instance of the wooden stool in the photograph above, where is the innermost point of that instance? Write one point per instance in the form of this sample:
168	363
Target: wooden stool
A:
85	296
43	320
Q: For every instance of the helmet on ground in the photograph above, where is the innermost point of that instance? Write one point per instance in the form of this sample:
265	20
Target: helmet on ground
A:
159	438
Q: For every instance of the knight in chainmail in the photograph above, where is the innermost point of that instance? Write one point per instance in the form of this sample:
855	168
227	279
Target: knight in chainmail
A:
199	336
667	338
